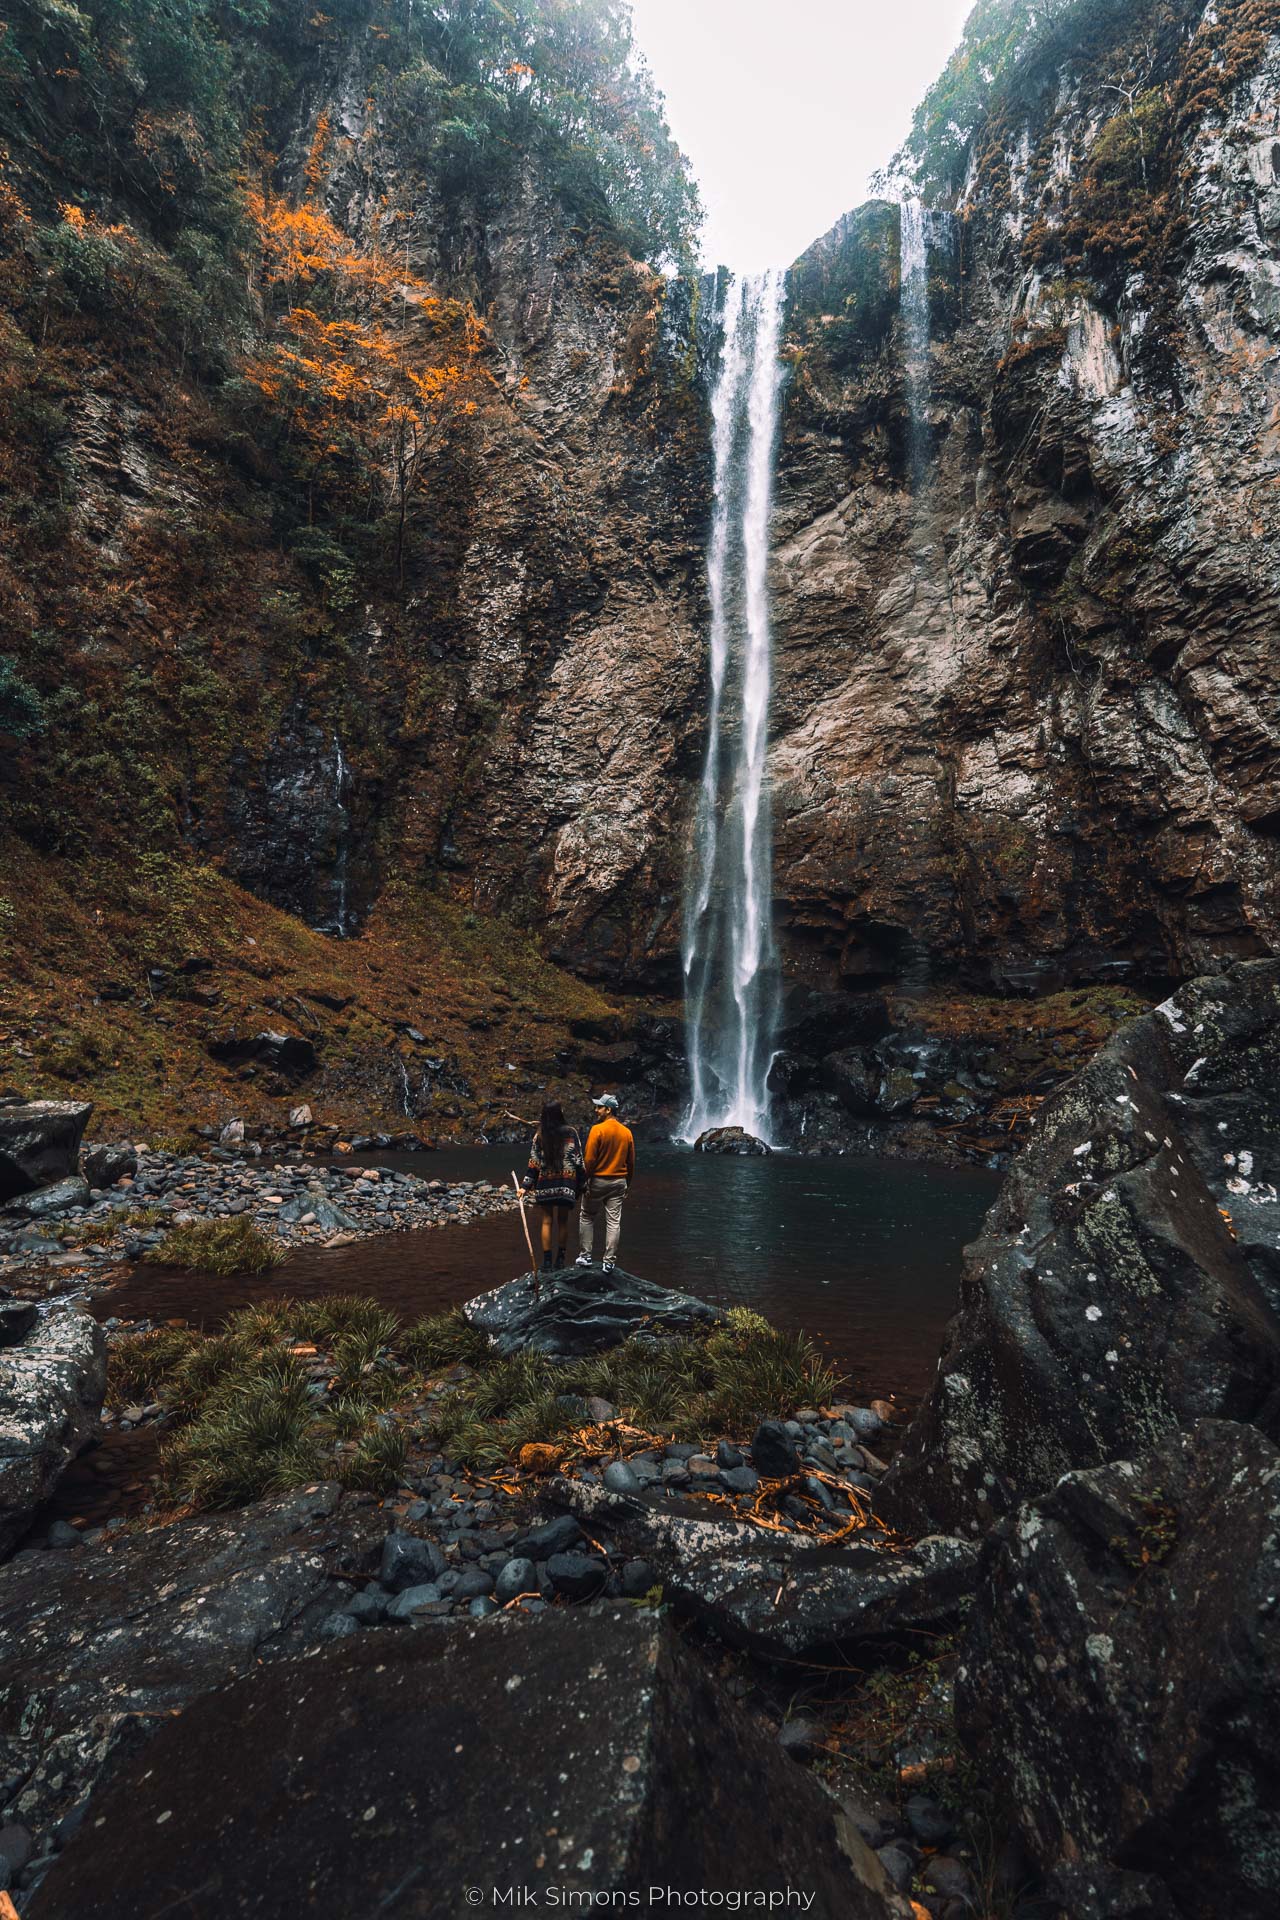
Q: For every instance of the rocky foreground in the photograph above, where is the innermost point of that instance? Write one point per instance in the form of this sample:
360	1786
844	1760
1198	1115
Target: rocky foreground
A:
602	1639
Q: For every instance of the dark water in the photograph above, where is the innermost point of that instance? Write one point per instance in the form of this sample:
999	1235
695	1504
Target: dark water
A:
863	1254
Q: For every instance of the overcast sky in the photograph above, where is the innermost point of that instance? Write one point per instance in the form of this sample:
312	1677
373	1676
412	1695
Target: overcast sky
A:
787	107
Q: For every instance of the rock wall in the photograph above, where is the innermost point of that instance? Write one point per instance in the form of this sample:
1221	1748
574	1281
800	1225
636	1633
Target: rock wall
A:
1027	714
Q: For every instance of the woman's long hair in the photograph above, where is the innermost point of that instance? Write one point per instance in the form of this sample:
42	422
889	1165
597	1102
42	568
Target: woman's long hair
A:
552	1136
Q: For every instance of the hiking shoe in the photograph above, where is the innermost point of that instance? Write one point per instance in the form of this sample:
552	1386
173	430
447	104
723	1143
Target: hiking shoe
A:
583	1260
560	1260
609	1265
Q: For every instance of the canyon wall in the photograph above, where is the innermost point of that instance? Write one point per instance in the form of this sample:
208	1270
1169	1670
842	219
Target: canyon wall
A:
1028	713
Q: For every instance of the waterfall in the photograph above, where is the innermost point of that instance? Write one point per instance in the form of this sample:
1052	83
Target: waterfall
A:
340	776
914	299
730	961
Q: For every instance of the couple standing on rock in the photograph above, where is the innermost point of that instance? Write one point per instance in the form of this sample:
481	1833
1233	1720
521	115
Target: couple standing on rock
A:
562	1171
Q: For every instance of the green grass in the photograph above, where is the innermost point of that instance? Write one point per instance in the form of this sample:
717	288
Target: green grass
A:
218	1246
692	1388
248	1425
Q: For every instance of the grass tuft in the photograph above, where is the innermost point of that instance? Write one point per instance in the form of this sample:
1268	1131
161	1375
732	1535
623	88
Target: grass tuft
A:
218	1246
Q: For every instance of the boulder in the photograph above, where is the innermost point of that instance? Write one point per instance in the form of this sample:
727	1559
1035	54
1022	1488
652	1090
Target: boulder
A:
52	1381
729	1140
103	1165
1110	1298
39	1143
1120	1684
100	1647
322	1211
582	1309
796	1602
46	1203
575	1760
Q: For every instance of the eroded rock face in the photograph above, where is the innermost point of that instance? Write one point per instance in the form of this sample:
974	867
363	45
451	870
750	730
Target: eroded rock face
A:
39	1142
52	1381
1120	1681
1111	1299
644	1773
1027	712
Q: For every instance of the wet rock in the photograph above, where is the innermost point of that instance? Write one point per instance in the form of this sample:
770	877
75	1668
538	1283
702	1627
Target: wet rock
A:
1120	1682
773	1451
930	1823
408	1560
1107	1299
800	1602
729	1140
739	1479
39	1143
103	1165
410	1602
581	1310
898	1866
638	1579
17	1317
52	1383
620	1478
150	1620
578	1576
517	1577
46	1203
561	1535
638	1765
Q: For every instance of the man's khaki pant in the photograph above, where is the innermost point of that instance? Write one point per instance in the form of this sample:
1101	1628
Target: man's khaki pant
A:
607	1195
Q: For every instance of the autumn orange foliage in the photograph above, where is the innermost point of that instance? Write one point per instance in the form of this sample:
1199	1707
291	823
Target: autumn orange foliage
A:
371	360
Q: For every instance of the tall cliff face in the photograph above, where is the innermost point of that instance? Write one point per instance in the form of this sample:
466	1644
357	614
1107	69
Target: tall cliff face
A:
1029	712
399	546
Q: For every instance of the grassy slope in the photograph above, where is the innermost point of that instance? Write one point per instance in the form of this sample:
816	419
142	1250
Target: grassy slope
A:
477	989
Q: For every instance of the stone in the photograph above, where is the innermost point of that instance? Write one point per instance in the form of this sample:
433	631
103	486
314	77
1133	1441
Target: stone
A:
582	1310
17	1317
898	1866
52	1384
620	1478
739	1479
411	1601
320	1212
336	1626
474	1584
366	1606
39	1143
103	1165
578	1576
61	1536
930	1823
800	1602
1119	1684
1107	1300
729	1140
158	1617
408	1560
561	1535
638	1579
773	1451
300	1116
517	1577
638	1765
951	1877
46	1203
728	1455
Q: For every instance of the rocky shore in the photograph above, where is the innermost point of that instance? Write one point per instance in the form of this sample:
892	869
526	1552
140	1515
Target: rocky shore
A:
78	1229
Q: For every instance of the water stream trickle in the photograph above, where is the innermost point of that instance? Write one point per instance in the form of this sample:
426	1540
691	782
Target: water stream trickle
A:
340	777
730	959
914	297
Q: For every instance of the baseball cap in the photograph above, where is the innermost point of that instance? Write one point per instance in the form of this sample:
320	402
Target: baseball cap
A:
605	1100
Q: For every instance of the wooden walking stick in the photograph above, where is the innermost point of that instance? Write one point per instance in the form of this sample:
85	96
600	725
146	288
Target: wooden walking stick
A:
533	1264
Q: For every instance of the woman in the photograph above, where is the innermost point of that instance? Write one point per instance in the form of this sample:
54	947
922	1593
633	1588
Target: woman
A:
554	1176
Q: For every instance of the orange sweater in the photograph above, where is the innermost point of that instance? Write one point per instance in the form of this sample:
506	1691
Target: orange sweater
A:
610	1151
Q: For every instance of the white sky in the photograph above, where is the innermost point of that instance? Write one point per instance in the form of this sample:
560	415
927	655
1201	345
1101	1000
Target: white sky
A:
787	107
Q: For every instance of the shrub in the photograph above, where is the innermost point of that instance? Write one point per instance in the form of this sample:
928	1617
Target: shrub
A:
21	708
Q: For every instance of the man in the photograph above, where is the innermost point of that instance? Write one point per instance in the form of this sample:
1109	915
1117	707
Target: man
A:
608	1164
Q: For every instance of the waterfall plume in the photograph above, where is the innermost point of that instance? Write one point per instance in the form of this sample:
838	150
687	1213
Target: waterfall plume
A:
730	958
914	298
